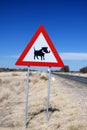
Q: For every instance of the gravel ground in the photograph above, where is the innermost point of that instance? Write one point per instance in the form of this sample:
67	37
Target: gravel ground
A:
78	91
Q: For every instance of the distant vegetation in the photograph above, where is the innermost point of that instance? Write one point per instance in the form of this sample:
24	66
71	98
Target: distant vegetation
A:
83	70
11	69
65	69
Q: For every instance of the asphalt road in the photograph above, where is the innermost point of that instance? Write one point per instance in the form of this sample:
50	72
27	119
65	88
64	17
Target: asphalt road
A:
71	77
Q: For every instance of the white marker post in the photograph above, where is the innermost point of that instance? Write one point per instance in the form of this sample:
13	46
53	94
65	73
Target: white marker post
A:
48	97
27	89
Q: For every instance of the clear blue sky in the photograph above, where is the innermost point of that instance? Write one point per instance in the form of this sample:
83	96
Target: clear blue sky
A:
64	20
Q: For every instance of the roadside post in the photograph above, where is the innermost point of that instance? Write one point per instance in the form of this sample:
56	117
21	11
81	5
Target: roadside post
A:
40	51
27	91
48	96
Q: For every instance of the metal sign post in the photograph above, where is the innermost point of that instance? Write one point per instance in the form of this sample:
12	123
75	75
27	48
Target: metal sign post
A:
27	89
48	96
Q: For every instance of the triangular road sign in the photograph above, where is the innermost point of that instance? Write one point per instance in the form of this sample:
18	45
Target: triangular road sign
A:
40	51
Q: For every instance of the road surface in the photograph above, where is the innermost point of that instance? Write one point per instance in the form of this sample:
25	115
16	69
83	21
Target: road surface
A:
72	77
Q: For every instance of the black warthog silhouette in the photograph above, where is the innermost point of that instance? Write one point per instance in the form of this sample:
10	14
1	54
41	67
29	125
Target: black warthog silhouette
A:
41	53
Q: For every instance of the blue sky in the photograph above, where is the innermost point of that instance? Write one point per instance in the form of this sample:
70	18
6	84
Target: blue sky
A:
64	20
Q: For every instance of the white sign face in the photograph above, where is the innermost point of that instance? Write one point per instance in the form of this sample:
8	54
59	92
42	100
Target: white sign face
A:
40	51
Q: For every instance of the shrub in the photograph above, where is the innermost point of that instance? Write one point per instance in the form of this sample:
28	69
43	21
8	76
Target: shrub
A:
65	69
83	70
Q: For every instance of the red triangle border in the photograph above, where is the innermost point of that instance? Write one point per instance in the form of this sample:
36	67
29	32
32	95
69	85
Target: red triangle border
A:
42	30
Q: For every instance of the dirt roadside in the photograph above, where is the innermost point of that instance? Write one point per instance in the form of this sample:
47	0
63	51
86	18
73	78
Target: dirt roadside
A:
67	108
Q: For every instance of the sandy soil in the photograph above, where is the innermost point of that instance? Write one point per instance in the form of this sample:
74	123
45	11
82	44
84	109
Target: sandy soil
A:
67	108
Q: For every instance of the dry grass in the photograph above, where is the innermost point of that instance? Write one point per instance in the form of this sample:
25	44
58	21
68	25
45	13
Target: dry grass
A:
65	113
78	125
15	74
4	94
